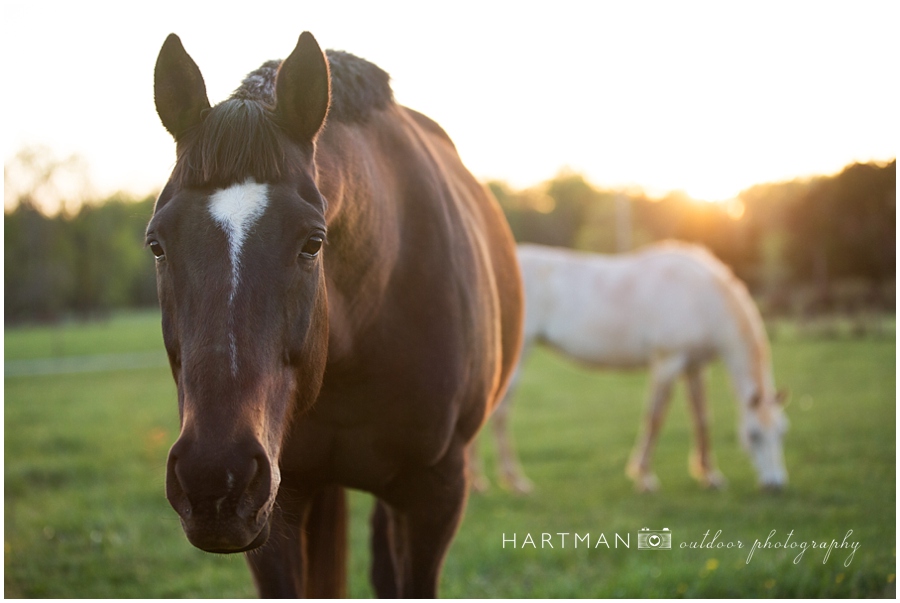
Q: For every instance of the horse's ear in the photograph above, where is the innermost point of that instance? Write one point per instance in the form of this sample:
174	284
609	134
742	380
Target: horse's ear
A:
179	88
303	90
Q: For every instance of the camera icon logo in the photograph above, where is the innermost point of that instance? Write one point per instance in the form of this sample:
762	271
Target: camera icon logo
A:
654	539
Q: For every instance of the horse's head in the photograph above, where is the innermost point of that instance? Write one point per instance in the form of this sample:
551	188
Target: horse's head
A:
762	432
237	233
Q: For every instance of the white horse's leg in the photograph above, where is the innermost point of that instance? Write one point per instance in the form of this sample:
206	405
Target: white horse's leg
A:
511	474
701	464
475	465
663	375
509	469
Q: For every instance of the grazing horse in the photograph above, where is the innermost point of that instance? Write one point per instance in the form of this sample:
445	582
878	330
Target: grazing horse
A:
341	307
673	307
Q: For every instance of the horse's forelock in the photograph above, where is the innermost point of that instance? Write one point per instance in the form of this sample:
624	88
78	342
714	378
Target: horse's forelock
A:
240	138
237	139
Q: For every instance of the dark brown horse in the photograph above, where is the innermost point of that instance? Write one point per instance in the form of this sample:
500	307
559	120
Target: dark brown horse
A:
341	309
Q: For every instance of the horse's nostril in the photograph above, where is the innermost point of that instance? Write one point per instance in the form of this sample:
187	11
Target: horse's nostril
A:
259	472
173	483
258	487
211	482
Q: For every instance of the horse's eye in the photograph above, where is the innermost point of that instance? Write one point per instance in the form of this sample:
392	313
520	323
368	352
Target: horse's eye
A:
157	250
312	246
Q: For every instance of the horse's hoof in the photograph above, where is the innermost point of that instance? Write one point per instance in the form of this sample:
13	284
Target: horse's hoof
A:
714	481
480	484
517	484
522	485
772	488
646	483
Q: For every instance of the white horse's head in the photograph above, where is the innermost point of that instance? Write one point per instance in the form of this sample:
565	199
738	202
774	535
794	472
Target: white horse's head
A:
762	432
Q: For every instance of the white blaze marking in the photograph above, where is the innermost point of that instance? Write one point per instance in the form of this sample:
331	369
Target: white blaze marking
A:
236	209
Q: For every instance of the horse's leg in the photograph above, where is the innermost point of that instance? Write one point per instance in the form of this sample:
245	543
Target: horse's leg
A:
701	464
511	473
509	468
306	550
325	545
475	463
426	506
383	573
277	566
663	375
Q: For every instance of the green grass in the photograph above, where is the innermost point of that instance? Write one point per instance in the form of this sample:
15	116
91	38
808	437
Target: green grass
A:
123	333
86	516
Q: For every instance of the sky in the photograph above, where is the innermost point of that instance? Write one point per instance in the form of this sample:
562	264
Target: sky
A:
707	98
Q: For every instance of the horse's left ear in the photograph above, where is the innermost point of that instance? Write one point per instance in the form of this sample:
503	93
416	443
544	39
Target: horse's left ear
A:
303	90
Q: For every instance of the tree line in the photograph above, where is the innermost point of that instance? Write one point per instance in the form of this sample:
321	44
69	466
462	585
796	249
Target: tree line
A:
85	264
821	235
776	237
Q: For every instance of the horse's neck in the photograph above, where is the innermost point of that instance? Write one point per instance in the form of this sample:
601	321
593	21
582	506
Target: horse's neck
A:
362	244
747	361
744	379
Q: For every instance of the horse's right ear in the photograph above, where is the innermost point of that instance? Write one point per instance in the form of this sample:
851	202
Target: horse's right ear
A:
178	88
303	90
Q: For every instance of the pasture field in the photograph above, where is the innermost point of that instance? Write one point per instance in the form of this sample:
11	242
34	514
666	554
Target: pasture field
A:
86	516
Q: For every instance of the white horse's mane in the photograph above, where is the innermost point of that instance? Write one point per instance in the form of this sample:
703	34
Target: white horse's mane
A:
739	299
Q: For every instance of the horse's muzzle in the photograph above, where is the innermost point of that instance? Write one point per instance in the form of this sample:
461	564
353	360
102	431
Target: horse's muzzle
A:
223	497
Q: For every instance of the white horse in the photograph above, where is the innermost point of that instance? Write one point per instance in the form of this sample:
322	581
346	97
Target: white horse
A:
673	307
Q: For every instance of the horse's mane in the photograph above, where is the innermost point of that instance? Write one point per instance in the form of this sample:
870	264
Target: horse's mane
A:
239	138
738	298
358	87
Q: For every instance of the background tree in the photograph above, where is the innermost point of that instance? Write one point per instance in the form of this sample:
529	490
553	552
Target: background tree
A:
845	226
88	259
85	258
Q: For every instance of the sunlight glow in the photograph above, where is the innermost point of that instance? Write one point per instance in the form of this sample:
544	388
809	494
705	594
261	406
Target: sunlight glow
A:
666	96
735	209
